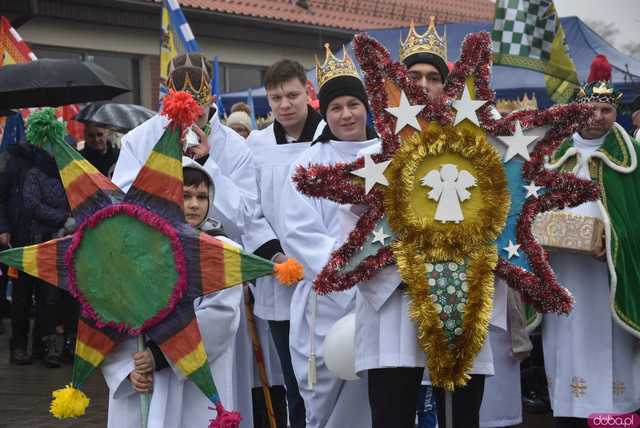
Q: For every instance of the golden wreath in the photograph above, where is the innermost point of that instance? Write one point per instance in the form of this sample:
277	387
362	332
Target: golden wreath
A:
411	213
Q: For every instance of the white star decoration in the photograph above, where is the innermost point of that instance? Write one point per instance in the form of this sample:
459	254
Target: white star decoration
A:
466	108
517	144
405	113
512	250
532	189
372	173
379	236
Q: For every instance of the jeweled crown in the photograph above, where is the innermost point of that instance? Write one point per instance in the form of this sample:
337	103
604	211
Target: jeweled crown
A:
332	67
202	94
428	42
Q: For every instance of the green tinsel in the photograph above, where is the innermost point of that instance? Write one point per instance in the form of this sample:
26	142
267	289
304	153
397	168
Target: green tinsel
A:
43	128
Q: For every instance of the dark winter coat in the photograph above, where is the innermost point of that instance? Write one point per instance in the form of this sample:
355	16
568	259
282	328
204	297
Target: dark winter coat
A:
45	198
103	162
14	218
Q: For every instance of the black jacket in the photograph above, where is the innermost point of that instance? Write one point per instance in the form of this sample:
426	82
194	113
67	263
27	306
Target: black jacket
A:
14	217
103	162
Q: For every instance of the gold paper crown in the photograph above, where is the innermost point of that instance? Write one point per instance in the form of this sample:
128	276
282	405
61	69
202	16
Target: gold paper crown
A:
333	67
428	42
509	106
202	95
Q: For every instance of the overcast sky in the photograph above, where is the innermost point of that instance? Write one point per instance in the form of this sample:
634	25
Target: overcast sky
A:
624	13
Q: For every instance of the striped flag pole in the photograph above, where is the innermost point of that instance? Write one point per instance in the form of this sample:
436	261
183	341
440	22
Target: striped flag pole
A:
216	86
182	27
177	37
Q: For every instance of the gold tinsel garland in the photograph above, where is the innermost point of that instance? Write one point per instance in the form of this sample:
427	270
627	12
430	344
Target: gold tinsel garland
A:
447	241
423	240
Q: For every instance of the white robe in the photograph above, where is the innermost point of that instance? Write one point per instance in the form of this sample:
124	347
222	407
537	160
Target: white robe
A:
502	399
312	233
176	402
385	335
273	163
592	365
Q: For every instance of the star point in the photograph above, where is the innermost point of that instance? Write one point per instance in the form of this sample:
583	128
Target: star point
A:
517	144
372	172
466	108
379	236
532	190
405	113
512	250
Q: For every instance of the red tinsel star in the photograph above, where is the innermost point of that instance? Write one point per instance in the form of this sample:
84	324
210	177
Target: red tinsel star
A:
384	80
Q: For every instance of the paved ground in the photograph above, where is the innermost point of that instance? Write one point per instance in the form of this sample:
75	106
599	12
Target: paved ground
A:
25	393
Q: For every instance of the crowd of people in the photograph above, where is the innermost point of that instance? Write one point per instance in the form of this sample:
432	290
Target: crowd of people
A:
237	187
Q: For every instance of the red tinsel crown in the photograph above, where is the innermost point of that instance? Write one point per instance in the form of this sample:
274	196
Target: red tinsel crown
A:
181	109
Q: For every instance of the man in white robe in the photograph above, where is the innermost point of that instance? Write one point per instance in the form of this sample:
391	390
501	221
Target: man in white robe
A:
426	61
311	233
592	356
295	125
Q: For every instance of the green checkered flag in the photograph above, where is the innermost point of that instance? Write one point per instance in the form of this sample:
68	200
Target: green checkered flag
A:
528	34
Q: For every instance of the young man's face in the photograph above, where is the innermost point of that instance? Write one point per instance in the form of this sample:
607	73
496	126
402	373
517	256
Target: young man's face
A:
604	115
196	203
347	118
428	77
95	138
288	103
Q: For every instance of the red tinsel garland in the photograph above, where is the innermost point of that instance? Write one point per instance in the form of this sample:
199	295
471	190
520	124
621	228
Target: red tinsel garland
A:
539	287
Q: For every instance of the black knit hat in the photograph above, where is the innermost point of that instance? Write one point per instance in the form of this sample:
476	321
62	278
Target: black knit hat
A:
428	58
341	86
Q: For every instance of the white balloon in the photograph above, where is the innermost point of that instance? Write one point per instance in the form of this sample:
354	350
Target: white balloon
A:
339	348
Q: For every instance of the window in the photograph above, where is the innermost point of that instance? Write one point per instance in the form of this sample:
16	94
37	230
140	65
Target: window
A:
236	77
123	67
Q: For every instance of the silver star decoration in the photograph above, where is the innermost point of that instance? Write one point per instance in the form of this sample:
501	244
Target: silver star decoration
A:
405	113
466	108
379	236
532	189
372	173
512	250
517	144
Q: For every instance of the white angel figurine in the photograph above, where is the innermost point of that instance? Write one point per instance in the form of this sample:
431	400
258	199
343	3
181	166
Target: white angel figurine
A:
449	188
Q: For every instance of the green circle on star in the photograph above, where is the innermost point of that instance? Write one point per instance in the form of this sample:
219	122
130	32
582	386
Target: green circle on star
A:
125	269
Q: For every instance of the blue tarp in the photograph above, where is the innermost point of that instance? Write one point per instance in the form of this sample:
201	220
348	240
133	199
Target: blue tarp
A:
508	82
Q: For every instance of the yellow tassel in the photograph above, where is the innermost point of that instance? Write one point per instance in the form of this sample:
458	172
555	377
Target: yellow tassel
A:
289	272
68	402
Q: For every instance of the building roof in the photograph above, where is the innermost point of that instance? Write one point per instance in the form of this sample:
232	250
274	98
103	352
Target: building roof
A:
351	14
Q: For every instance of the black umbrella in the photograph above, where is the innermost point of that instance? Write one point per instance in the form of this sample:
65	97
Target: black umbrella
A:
56	82
118	117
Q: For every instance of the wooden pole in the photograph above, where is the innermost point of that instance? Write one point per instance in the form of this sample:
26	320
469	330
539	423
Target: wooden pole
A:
259	356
